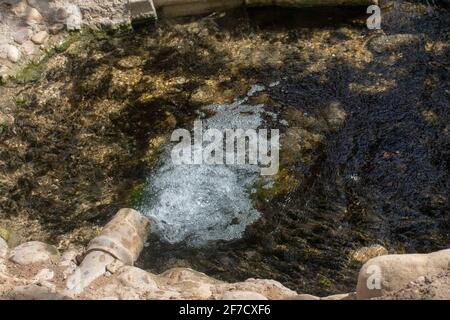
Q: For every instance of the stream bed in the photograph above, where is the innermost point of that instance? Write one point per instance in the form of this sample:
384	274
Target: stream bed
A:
363	117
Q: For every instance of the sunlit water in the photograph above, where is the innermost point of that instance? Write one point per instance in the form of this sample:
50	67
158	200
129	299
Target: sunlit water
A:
199	203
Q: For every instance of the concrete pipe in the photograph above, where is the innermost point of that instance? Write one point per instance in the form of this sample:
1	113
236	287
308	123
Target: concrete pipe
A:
121	241
123	237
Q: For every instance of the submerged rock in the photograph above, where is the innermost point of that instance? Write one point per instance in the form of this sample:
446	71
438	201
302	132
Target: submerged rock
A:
366	253
40	37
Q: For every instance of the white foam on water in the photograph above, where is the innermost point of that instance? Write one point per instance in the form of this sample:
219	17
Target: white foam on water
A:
200	203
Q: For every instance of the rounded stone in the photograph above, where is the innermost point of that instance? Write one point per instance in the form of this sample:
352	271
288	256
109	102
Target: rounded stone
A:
33	17
13	54
22	35
40	37
385	274
138	279
34	252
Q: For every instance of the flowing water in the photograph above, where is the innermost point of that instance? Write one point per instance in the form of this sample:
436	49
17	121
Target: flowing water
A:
363	118
196	203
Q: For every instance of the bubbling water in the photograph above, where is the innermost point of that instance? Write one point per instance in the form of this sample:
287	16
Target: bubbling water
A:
200	203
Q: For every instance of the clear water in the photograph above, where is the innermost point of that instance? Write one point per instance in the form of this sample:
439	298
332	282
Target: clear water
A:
199	203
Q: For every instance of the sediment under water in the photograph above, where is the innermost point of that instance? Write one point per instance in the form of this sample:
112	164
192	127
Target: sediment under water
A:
365	140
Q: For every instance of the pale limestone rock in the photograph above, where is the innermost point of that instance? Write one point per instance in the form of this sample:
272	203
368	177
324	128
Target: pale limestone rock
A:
34	252
193	290
3	249
74	18
13	54
22	35
44	275
390	273
34	17
242	295
138	279
366	253
40	37
29	48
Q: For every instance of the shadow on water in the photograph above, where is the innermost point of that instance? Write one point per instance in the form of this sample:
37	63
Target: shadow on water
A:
382	177
366	147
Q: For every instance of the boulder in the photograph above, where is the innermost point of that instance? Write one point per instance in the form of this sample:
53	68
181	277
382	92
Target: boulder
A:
13	54
242	295
22	35
40	37
34	252
138	279
188	283
33	17
29	48
74	18
389	273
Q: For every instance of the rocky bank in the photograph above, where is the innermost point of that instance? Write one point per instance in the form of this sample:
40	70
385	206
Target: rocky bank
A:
104	270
